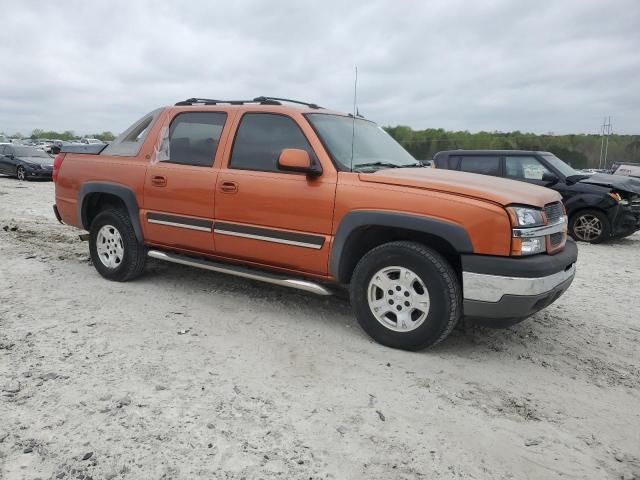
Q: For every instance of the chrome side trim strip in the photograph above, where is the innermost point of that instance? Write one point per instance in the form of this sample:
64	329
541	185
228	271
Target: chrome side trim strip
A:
179	225
267	239
243	272
491	288
559	226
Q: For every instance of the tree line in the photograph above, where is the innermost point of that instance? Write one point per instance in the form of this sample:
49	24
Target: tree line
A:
579	150
66	135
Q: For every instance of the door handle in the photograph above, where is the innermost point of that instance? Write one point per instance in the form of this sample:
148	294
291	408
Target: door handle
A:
158	181
229	187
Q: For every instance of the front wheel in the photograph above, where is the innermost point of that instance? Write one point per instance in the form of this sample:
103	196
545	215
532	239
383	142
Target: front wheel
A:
21	173
590	226
406	295
114	248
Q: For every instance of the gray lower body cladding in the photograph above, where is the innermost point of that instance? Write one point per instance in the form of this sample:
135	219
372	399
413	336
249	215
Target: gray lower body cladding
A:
507	290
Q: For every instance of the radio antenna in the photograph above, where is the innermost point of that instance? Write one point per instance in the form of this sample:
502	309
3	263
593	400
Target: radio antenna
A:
353	119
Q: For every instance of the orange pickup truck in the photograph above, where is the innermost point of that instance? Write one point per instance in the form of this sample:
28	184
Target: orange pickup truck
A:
293	194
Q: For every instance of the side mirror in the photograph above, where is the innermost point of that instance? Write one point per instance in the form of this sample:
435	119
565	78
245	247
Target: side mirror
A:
298	160
550	178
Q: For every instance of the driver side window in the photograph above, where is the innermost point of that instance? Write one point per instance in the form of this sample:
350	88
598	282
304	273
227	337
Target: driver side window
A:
524	168
260	139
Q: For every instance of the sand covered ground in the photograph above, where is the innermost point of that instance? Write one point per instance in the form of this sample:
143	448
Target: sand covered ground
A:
190	374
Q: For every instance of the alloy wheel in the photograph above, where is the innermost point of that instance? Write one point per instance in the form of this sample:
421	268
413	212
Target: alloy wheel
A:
109	246
21	173
587	227
398	298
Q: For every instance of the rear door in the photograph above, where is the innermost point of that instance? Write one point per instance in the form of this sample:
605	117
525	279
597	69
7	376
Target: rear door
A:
180	181
269	216
482	164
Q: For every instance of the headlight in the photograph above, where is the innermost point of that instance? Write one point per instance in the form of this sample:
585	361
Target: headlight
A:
525	217
615	196
526	221
618	198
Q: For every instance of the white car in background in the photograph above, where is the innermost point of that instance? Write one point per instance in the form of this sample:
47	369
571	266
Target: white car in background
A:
91	141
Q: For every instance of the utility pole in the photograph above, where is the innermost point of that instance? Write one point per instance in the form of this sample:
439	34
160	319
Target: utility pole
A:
606	145
605	131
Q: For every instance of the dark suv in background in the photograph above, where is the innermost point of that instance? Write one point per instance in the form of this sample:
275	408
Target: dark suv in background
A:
599	206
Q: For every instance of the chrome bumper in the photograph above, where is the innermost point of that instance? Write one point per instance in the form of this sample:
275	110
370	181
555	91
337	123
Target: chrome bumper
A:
491	288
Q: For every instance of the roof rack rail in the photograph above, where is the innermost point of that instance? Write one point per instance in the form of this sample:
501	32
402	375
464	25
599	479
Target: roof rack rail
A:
277	99
261	100
211	101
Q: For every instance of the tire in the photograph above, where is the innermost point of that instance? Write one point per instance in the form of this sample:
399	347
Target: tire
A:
115	251
21	174
590	226
420	323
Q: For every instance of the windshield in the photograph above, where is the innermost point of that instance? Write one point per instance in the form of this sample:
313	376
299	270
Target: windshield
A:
30	152
372	146
559	165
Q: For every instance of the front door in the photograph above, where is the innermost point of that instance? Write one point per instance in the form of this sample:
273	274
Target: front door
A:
180	181
265	215
525	168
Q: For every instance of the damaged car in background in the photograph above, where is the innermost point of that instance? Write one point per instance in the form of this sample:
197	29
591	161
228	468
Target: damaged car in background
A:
599	206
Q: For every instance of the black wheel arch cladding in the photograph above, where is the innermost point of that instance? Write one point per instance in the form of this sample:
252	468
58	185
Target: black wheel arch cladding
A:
454	234
123	192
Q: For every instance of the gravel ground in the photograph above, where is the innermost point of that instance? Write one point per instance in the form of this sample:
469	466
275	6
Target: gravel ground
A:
191	374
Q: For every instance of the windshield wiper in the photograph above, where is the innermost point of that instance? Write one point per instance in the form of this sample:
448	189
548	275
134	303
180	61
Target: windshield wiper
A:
385	165
375	164
412	165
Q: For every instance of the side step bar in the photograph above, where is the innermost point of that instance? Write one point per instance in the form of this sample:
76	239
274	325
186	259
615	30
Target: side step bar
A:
241	272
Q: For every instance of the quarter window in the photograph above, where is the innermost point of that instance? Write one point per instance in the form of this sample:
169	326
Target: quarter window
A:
527	168
261	138
194	138
485	165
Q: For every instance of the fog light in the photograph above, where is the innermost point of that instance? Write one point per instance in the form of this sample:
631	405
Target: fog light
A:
533	245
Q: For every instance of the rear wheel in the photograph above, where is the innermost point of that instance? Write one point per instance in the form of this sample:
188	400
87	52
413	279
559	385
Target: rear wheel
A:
21	173
406	295
115	250
590	226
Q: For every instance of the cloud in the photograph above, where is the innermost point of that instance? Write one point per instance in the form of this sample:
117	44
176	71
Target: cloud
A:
492	65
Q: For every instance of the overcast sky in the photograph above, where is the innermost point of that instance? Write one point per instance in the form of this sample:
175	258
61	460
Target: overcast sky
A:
544	66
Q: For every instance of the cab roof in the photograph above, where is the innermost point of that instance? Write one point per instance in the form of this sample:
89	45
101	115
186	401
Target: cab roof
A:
281	104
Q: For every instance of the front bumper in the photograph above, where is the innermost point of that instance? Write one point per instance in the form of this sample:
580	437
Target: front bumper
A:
624	219
505	290
38	172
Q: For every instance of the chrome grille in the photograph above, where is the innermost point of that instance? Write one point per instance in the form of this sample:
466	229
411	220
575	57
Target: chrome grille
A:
553	211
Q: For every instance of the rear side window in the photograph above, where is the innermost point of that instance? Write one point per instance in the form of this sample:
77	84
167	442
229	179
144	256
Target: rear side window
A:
481	164
129	142
194	138
260	139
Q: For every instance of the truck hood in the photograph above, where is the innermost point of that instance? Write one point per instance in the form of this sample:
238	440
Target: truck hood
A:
484	187
617	182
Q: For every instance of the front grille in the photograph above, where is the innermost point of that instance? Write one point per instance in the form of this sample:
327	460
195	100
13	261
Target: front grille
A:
556	238
553	211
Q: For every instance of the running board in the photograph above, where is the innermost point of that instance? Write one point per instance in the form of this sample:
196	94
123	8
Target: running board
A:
241	272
